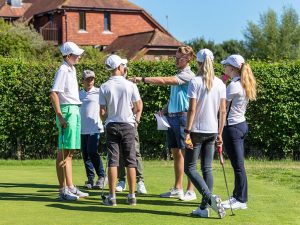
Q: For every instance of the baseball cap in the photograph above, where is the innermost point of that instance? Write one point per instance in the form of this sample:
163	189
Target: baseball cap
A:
203	53
234	60
87	74
69	47
113	61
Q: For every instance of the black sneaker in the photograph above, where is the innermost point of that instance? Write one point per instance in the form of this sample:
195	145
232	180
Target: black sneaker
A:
131	201
110	201
89	184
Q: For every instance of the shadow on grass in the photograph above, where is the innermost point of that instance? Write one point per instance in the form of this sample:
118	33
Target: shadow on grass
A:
108	209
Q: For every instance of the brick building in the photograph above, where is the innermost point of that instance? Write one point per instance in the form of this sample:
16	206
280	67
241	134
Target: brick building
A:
86	22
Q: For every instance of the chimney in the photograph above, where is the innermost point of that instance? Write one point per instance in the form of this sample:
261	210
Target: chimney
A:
15	3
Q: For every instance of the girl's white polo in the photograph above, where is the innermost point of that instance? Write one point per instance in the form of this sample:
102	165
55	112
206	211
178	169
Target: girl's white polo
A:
208	104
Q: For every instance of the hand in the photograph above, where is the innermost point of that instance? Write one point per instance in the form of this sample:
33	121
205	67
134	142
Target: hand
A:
225	78
161	112
188	142
135	80
219	140
62	121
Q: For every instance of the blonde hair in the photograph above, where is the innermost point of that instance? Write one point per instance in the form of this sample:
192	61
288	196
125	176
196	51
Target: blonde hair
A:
248	81
187	51
207	72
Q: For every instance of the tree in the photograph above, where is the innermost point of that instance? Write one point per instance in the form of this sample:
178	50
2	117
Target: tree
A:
274	39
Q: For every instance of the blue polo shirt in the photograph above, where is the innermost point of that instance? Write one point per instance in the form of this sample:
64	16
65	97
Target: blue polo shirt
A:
179	100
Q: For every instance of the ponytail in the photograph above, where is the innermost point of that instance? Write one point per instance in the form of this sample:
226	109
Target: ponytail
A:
248	81
207	72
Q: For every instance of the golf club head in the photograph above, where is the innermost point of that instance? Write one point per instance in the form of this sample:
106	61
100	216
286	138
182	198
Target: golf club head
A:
103	197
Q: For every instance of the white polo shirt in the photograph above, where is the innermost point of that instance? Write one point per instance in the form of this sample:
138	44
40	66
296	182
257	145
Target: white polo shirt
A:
118	94
89	112
236	94
208	104
65	83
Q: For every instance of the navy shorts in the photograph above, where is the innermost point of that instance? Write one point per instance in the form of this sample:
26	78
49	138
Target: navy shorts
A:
175	133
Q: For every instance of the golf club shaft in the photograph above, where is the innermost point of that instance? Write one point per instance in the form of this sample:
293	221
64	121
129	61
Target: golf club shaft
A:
222	164
63	155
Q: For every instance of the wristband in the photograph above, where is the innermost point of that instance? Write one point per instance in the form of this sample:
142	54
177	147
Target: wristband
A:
187	131
143	79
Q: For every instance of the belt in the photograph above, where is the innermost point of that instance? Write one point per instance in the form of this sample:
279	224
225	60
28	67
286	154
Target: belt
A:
177	114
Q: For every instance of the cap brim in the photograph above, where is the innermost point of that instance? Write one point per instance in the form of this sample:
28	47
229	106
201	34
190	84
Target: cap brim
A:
78	51
224	62
124	61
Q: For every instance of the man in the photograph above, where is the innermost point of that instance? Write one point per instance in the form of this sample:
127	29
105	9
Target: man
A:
116	98
176	112
65	100
91	126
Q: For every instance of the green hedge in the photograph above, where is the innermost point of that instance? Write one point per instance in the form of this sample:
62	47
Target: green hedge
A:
27	125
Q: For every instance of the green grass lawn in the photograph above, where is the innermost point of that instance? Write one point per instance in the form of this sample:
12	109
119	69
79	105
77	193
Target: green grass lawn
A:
28	195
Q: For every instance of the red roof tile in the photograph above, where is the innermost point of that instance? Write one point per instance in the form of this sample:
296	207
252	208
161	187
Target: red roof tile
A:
131	44
12	12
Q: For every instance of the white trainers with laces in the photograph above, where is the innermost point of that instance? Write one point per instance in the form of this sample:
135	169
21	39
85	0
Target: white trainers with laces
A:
173	193
140	188
188	196
121	186
204	213
216	206
235	204
77	192
65	194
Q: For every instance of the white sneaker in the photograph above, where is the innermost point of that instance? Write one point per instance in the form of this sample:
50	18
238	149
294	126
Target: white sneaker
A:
235	204
216	206
204	213
140	188
173	193
121	186
188	196
65	194
79	193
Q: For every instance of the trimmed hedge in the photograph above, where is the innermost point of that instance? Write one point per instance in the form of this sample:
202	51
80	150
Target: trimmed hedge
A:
27	120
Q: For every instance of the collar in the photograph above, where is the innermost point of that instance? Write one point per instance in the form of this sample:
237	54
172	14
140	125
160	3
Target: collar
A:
185	69
116	77
70	68
92	89
235	79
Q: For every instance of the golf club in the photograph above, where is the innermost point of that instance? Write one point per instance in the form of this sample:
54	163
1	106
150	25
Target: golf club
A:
222	163
105	175
63	154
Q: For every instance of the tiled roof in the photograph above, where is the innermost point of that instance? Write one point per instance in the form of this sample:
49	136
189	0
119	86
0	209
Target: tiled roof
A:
41	6
131	44
12	12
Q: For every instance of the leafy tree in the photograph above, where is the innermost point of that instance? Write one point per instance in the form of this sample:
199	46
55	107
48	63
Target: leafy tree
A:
274	39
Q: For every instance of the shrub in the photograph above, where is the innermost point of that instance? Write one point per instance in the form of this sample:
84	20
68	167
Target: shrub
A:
27	121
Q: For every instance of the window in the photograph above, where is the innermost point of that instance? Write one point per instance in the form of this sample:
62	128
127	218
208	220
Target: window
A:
82	21
106	21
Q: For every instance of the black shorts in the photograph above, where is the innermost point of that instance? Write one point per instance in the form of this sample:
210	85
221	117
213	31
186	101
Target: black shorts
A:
121	137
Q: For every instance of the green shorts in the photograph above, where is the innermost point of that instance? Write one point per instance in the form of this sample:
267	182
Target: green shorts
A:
71	113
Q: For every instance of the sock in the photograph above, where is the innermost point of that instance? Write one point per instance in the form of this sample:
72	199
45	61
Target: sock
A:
112	195
71	187
131	195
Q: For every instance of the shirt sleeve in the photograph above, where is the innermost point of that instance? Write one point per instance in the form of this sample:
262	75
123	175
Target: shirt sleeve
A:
231	91
183	77
102	100
59	81
192	89
136	95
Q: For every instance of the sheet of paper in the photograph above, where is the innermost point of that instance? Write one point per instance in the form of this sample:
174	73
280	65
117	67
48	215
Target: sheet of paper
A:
162	122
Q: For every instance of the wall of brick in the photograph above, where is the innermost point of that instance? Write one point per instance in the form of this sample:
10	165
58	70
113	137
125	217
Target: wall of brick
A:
121	24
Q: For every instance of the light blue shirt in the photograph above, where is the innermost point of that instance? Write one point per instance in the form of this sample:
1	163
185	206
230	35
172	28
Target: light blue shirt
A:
179	101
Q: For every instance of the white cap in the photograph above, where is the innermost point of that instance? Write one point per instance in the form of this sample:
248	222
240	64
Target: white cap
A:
203	53
69	47
234	60
113	61
87	74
